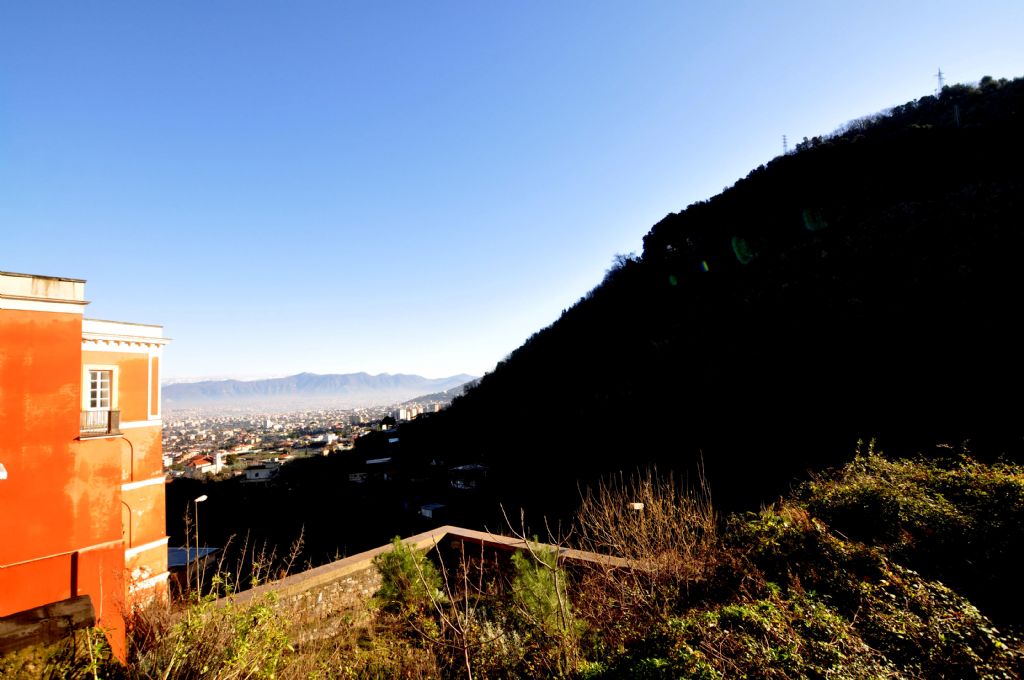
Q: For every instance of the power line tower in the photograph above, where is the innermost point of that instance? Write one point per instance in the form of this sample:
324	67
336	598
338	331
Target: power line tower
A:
941	80
785	146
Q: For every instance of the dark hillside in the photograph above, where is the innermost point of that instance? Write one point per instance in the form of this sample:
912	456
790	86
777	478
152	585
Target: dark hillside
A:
866	285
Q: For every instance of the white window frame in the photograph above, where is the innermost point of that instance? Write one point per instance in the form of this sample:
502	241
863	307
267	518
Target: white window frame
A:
99	389
87	403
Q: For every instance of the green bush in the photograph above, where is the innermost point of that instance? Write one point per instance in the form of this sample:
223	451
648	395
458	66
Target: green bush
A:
539	590
919	626
543	611
221	639
82	655
951	518
791	598
410	583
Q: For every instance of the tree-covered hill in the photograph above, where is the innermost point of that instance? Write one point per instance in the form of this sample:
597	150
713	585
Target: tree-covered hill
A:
865	285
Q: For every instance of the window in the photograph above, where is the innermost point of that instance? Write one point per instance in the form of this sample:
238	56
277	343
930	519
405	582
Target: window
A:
99	390
100	415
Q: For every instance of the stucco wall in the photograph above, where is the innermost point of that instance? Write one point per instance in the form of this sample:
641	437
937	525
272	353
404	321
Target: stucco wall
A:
60	521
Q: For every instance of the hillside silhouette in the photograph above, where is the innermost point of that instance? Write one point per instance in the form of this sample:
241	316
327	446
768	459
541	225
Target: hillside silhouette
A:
865	285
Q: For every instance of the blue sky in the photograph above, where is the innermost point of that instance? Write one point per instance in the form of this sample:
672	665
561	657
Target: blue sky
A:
408	186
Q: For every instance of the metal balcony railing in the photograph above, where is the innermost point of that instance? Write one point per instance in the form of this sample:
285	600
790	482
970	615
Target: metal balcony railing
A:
99	423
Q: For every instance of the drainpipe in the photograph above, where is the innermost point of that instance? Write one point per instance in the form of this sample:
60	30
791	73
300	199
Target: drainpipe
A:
131	456
129	509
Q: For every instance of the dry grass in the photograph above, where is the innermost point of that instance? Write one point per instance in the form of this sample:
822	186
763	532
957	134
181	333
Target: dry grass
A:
668	531
650	519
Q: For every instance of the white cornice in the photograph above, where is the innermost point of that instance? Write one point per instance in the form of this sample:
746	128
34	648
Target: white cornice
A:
117	337
139	549
110	343
153	481
105	326
32	304
33	293
133	424
121	335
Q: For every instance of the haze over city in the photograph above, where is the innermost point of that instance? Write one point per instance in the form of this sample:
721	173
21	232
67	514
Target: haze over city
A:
412	188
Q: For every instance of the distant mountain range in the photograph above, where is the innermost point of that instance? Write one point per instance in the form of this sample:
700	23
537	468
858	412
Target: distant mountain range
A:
306	390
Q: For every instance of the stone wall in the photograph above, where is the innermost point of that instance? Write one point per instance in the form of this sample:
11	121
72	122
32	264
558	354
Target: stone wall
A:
323	600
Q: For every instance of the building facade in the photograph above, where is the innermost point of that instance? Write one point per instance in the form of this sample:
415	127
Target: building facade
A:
82	507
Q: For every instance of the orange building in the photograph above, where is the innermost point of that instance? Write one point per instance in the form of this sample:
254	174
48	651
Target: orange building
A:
81	474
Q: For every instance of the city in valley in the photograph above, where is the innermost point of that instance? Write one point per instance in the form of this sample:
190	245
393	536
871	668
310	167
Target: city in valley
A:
200	445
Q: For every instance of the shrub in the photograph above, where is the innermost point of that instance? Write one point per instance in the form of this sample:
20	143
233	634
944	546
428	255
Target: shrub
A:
920	626
82	655
410	583
784	596
220	638
952	518
539	591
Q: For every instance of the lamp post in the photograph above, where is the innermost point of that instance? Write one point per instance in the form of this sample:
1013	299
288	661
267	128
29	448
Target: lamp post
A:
195	514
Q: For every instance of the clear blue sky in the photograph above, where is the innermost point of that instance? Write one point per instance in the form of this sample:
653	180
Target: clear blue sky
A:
412	186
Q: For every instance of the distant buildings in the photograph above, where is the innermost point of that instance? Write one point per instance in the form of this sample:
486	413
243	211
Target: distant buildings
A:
411	411
199	466
264	472
82	487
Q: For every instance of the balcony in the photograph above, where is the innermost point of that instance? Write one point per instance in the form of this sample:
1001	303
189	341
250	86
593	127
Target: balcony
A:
100	423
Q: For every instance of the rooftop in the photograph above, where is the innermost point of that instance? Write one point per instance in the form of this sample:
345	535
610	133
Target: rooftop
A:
178	557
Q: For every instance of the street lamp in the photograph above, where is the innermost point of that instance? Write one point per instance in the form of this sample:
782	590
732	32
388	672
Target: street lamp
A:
195	514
